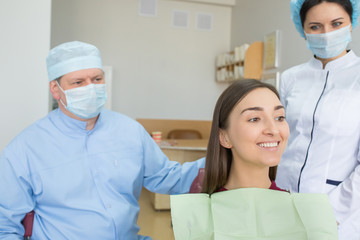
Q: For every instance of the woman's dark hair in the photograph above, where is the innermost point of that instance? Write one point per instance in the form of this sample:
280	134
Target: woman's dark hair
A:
218	158
346	4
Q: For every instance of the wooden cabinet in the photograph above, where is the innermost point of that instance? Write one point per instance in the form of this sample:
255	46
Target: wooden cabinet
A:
166	125
181	151
231	67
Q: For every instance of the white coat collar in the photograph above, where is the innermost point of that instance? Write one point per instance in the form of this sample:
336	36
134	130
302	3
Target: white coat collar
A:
338	64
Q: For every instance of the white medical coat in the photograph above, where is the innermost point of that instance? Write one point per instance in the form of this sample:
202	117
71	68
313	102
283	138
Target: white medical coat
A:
322	156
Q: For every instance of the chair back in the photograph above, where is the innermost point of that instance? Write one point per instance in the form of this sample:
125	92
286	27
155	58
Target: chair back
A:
184	134
28	224
197	184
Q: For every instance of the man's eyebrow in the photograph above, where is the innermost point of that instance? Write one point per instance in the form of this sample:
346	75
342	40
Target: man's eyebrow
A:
99	75
77	79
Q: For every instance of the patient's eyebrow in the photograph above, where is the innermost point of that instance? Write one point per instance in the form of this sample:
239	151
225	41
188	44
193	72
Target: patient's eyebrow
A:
279	107
261	109
252	109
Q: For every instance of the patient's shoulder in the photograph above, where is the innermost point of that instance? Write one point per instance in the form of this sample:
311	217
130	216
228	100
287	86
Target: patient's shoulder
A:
197	184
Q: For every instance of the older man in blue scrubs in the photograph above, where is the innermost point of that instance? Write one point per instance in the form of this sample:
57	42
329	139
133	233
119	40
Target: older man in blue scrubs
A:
82	167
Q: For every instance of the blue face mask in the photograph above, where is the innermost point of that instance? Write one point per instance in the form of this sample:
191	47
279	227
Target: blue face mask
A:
330	44
85	102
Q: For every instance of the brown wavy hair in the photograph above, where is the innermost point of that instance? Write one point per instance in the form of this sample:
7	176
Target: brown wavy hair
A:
218	158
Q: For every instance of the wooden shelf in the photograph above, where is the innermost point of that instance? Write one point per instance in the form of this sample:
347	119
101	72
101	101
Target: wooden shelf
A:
253	64
250	67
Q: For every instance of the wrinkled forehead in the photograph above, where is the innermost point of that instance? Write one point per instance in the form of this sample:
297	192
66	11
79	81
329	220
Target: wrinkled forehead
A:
83	74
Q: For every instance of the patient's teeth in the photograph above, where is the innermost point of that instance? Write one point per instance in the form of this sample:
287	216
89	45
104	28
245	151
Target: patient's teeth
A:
273	144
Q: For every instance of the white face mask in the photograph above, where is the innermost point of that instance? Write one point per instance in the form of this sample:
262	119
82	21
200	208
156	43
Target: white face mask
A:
330	44
85	102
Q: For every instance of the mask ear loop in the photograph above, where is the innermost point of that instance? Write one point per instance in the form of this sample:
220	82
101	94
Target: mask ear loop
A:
63	92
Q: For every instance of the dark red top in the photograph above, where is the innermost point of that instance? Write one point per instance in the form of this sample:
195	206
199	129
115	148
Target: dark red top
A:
198	182
272	187
28	223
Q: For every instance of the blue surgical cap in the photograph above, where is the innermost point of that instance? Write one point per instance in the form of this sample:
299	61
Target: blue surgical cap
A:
295	6
72	56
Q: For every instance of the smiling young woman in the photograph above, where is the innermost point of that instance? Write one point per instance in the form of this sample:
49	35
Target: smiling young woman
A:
256	134
248	136
236	197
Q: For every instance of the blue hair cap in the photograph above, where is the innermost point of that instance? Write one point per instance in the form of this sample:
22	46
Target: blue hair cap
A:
70	57
295	6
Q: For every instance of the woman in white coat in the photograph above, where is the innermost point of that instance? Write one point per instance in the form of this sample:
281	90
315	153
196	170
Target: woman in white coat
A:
322	101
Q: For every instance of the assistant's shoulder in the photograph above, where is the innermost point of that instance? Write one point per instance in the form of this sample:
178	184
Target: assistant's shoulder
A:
293	71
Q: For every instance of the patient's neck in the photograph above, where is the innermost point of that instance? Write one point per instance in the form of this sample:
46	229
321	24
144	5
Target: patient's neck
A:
247	176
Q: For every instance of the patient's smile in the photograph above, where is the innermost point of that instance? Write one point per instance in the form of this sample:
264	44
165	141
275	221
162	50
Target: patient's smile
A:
268	144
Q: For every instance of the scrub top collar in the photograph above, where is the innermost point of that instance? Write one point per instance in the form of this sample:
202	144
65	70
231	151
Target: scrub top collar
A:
336	65
70	125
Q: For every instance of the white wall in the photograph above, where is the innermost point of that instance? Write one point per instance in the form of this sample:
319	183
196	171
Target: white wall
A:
158	71
25	42
253	19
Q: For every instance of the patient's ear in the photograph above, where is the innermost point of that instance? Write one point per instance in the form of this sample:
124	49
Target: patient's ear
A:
224	139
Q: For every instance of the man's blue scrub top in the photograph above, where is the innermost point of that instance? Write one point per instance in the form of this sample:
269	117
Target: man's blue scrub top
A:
84	184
